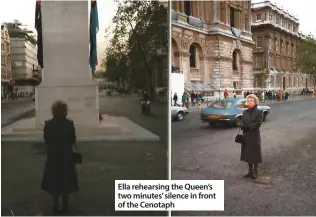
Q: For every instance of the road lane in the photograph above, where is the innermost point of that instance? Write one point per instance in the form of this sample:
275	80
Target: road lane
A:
287	172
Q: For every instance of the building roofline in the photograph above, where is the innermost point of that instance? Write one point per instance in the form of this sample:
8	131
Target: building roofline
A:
297	35
275	7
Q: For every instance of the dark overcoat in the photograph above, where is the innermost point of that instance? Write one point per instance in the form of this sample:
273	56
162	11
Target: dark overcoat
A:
60	175
251	147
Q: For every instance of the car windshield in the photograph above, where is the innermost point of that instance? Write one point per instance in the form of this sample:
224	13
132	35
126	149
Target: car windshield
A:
221	104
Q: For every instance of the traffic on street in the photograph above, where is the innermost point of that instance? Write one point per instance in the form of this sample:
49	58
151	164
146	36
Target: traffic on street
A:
286	179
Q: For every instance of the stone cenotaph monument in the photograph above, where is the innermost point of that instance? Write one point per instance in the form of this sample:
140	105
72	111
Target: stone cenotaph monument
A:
66	75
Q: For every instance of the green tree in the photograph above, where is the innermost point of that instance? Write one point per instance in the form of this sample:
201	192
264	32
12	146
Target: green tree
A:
306	56
99	74
116	66
139	37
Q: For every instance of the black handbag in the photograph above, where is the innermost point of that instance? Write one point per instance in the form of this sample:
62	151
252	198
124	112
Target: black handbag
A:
76	155
239	137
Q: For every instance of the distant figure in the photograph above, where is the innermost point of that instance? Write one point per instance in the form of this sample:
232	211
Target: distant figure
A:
175	99
192	95
225	93
185	99
234	94
60	177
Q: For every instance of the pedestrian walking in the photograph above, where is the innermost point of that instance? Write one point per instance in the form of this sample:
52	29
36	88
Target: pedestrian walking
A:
193	96
225	93
185	100
251	146
60	177
175	99
234	94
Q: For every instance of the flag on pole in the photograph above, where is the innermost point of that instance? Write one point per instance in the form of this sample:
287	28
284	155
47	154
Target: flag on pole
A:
38	27
94	28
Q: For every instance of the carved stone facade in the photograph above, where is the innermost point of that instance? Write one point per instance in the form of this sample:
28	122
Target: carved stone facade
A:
6	70
276	35
212	43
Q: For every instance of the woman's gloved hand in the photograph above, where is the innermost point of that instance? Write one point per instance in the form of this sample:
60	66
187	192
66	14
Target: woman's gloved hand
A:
245	128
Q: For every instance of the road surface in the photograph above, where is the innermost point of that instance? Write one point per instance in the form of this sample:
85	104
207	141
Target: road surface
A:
288	172
103	163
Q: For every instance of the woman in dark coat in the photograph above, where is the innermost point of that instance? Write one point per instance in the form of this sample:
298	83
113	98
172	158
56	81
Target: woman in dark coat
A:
60	177
251	147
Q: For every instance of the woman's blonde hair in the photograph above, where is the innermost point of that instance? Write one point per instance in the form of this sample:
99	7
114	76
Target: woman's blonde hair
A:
253	96
59	109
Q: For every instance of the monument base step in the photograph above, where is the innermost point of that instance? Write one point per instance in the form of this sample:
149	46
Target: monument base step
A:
110	129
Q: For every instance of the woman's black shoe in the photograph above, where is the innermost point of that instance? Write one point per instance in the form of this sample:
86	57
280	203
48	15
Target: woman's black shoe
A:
248	175
254	176
64	210
55	211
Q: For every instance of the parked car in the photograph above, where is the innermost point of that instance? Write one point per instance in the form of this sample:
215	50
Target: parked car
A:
229	111
178	113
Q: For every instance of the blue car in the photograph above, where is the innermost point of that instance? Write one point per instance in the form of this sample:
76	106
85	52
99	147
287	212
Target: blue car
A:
228	111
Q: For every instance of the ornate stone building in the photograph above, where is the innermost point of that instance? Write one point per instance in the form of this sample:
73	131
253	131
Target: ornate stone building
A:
212	44
6	72
276	35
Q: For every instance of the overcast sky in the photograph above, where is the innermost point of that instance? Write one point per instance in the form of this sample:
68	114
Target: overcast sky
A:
24	11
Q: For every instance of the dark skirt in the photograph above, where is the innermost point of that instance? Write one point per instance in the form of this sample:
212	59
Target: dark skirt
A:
60	176
251	148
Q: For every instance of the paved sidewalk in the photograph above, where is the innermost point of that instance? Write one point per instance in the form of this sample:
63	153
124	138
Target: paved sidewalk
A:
295	98
129	107
5	102
120	106
15	112
195	108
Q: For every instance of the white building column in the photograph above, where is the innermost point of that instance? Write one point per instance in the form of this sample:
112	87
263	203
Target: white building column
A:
185	64
67	75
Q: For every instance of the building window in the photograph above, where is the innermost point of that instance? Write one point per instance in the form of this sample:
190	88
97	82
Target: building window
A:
258	17
290	82
258	61
236	85
222	12
277	20
235	67
289	52
259	42
282	46
187	8
233	17
246	22
192	56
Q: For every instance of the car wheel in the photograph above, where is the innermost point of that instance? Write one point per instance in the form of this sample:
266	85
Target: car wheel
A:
238	122
180	116
264	116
